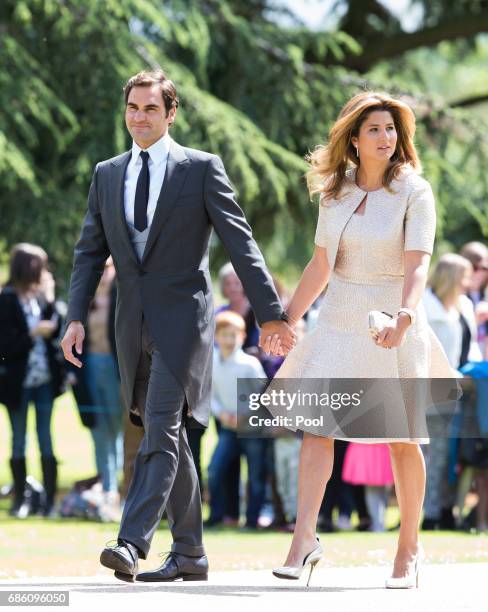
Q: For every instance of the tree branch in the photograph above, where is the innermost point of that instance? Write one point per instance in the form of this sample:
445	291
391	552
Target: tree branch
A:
388	47
469	101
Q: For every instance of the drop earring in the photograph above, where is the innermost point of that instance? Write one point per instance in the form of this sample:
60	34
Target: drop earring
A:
357	151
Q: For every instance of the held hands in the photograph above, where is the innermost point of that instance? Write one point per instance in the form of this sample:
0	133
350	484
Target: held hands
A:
277	338
391	336
74	336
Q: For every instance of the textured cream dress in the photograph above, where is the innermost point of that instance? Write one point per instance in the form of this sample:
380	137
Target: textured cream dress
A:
366	257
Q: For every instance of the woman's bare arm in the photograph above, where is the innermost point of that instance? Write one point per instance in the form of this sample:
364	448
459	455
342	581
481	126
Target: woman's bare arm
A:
416	266
314	278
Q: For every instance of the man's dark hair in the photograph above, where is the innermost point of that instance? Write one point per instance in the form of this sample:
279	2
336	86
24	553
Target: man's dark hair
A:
147	78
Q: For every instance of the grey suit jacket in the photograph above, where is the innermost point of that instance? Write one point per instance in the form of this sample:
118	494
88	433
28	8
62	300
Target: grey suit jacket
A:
171	286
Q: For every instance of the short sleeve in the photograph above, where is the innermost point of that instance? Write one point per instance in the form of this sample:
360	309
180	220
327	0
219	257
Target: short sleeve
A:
320	232
420	220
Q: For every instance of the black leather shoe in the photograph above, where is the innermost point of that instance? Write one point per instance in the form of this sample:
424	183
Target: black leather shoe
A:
121	558
177	566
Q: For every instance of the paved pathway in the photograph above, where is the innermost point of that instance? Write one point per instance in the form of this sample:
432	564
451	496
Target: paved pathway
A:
442	588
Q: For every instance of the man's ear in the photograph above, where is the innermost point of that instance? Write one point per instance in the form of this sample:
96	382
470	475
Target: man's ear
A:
172	116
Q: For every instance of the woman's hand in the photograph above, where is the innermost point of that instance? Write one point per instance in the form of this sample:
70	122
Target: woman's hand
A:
481	312
44	329
277	337
392	334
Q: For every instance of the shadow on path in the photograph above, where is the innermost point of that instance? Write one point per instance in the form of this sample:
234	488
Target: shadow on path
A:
221	590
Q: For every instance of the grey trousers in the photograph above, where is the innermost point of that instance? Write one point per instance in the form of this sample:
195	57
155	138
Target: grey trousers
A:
164	477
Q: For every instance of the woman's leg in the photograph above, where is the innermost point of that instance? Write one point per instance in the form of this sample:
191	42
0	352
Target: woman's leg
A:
376	499
482	507
18	421
101	432
464	485
108	386
43	400
314	471
409	472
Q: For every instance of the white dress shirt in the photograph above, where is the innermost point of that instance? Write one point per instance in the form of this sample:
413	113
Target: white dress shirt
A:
158	158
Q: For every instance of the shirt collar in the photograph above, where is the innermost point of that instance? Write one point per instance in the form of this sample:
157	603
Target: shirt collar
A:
232	356
158	152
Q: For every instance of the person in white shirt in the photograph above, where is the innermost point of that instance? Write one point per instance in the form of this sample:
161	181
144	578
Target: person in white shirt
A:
451	315
450	312
229	364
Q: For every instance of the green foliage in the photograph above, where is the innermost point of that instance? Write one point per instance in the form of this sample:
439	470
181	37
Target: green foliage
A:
257	92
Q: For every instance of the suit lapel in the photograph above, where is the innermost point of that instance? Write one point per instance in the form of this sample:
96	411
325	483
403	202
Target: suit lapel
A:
176	171
119	168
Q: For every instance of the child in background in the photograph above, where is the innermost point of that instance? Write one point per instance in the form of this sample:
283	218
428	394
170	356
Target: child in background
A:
370	465
286	458
230	363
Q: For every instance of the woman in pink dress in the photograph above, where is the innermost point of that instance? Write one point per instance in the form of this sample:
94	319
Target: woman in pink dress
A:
370	465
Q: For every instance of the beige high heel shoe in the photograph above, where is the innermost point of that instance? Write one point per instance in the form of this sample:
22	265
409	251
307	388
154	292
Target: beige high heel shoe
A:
288	572
411	580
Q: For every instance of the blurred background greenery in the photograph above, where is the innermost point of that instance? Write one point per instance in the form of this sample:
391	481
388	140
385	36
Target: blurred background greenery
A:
259	82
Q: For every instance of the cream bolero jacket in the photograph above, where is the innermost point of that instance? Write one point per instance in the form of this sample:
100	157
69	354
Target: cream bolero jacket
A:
395	221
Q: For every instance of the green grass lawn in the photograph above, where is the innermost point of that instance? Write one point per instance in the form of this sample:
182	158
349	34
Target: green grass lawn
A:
70	547
72	443
37	547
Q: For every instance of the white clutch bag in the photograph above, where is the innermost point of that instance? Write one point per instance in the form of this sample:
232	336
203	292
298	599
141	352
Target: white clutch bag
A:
377	320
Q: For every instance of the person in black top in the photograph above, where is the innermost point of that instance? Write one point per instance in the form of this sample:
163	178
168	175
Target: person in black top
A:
31	366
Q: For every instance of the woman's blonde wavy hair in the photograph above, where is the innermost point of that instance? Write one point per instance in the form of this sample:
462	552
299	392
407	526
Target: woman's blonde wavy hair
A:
447	275
329	162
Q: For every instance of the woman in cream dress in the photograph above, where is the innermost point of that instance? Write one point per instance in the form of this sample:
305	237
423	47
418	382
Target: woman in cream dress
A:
373	243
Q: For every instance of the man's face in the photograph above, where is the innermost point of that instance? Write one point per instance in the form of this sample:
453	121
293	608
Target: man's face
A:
145	115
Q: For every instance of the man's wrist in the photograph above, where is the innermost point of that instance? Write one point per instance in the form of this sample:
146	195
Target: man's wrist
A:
288	319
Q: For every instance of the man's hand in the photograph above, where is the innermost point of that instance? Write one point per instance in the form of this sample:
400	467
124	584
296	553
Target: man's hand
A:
277	337
74	336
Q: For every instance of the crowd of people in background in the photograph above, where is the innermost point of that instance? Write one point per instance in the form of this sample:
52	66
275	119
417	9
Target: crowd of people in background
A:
33	371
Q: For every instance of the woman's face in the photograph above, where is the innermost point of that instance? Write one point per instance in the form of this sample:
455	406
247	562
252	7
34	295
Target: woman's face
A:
377	137
466	281
480	276
232	287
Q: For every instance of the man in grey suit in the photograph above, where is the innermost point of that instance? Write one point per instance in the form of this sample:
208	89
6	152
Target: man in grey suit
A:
153	209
